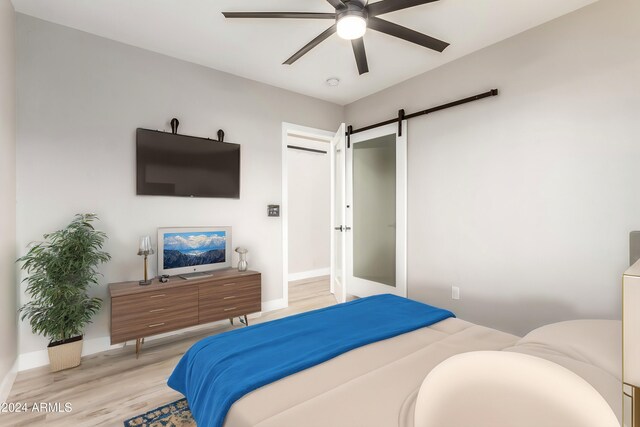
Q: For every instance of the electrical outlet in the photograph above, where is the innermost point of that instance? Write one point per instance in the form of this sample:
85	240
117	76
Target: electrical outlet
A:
455	292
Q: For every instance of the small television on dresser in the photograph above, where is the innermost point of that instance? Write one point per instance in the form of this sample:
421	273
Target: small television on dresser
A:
192	252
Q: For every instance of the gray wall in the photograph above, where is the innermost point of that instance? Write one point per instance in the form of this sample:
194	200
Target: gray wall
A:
81	97
525	201
8	349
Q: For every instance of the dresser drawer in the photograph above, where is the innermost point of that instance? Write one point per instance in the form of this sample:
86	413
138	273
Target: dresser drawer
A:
223	302
236	283
212	314
147	328
153	299
220	291
148	313
235	310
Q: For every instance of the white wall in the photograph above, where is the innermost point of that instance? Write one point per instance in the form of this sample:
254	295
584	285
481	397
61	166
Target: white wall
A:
309	202
80	100
525	201
8	298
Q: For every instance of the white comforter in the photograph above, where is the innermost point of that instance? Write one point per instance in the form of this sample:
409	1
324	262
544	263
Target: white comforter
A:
375	385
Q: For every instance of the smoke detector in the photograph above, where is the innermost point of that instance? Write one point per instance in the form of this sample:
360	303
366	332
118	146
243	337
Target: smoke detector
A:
333	81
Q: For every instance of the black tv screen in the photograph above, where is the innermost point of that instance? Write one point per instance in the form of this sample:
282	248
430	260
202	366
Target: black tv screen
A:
179	165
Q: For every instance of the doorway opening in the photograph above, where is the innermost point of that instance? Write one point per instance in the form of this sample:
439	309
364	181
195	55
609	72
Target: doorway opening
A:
344	213
306	214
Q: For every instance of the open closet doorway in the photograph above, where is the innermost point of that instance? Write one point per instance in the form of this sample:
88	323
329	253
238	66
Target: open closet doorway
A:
306	214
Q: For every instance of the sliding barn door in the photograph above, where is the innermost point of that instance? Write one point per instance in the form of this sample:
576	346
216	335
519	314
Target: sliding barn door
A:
376	212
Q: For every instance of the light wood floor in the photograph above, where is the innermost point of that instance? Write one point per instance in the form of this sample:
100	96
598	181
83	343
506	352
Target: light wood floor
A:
110	387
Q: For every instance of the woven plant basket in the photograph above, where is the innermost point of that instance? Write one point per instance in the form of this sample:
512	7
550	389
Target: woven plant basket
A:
65	356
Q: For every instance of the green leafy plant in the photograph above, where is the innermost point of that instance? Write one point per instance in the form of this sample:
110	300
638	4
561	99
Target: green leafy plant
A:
61	269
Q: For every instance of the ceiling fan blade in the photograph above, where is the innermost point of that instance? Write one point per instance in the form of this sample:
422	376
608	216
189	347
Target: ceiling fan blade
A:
338	4
313	43
361	55
386	6
406	34
280	15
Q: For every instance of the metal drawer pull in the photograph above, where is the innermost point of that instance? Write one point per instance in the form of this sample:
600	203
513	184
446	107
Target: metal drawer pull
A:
157	310
158	296
155	325
229	309
229	284
229	297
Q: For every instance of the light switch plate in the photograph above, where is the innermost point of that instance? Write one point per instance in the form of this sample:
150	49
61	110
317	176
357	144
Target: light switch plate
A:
273	210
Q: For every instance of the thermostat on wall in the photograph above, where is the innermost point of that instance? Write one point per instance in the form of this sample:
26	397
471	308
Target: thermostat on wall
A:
273	210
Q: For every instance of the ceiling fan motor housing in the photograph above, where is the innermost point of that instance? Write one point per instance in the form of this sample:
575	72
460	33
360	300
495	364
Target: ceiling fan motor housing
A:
353	8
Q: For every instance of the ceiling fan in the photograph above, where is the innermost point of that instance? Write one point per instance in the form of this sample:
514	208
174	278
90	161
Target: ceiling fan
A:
352	18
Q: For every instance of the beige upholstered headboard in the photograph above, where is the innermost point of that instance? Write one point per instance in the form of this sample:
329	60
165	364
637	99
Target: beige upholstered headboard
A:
634	247
631	342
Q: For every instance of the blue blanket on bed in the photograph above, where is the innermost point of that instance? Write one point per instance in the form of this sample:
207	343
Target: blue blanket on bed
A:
218	370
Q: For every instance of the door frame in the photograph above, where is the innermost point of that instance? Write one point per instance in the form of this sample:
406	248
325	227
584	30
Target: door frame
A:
313	134
340	134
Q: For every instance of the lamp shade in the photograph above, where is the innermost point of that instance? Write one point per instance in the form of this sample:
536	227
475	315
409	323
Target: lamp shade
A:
145	246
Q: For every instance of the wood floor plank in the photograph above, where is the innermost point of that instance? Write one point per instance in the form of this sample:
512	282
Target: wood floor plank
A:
112	386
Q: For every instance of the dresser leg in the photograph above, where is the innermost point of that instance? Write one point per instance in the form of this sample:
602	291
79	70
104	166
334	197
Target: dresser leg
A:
231	320
246	321
139	343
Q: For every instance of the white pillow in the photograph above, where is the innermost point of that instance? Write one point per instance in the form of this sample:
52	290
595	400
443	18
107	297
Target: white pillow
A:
505	389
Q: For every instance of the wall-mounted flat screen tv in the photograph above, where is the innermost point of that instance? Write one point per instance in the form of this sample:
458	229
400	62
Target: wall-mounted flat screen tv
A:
179	165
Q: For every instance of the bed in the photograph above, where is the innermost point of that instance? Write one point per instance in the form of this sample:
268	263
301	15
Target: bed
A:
392	382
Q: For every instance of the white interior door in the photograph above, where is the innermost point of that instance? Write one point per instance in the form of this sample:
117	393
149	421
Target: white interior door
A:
376	198
338	215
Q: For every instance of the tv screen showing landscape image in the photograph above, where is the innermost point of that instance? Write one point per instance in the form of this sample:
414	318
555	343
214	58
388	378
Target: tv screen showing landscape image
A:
190	249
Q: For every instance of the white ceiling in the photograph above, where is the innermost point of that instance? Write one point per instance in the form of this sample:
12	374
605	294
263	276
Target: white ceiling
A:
196	31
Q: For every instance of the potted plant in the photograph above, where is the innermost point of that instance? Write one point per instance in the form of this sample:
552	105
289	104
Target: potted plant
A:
61	269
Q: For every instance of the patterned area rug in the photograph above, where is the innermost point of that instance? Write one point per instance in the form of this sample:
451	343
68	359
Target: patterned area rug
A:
175	414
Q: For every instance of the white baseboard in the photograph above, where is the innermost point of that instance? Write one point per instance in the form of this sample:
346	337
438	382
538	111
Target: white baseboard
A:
33	359
309	274
36	359
275	304
7	382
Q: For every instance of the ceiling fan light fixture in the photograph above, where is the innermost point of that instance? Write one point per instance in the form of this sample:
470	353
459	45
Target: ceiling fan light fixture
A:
351	26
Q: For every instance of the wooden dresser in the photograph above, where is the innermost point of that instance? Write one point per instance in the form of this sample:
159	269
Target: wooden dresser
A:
141	311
